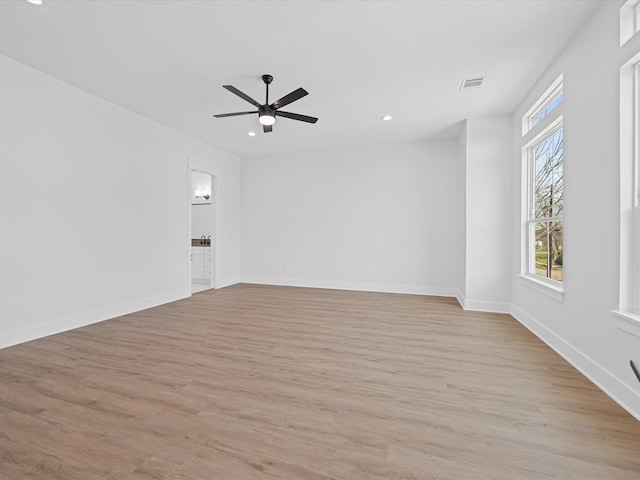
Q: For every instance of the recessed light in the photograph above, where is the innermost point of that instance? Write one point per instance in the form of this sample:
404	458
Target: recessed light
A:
252	134
35	2
386	118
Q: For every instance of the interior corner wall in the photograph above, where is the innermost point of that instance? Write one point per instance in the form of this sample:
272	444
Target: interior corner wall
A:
486	171
377	218
94	203
582	327
461	280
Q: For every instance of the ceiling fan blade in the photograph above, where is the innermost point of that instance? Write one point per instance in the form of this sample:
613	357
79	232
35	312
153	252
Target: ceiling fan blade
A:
296	116
287	99
222	115
267	128
244	96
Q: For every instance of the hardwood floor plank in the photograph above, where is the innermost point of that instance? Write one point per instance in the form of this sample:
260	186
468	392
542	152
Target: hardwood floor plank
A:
255	382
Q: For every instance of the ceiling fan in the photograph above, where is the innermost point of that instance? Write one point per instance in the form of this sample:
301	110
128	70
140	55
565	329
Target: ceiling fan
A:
267	113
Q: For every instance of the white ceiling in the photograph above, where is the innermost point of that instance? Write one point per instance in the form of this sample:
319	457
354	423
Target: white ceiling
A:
167	60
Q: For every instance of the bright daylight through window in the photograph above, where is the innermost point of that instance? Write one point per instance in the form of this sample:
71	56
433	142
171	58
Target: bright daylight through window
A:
546	108
546	206
544	157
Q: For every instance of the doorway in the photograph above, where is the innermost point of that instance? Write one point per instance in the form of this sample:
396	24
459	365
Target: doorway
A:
202	230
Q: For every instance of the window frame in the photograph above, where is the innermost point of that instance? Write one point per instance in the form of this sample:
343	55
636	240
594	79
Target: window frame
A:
531	220
532	134
629	289
555	90
629	20
635	126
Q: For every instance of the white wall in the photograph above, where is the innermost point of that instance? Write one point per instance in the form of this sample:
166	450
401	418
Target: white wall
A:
461	280
94	207
582	327
201	220
488	210
380	218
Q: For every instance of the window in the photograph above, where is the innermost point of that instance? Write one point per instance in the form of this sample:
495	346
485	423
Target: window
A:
546	108
543	107
629	304
545	161
629	20
633	139
543	192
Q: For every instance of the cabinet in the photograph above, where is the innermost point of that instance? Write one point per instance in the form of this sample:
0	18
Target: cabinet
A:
201	262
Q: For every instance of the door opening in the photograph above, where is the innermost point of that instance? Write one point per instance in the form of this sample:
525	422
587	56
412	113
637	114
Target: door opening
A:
202	234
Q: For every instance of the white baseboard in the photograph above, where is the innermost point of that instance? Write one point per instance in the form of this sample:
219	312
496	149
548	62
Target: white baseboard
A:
600	376
460	297
355	286
474	305
482	305
227	282
51	327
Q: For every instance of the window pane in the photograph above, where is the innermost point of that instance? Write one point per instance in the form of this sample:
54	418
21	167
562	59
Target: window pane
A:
547	108
548	250
548	194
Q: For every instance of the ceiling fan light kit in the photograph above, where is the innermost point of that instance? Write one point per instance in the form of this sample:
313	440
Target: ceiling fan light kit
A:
267	113
266	117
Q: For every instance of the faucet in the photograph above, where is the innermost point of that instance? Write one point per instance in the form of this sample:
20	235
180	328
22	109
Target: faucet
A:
203	239
209	240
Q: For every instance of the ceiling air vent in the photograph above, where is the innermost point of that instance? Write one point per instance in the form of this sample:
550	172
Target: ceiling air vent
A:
473	82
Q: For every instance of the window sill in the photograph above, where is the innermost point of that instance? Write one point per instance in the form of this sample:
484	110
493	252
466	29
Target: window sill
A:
628	321
551	291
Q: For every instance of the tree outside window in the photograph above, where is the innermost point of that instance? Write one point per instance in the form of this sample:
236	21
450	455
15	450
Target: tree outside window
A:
546	200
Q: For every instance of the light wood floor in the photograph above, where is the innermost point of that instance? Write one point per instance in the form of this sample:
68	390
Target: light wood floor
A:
256	382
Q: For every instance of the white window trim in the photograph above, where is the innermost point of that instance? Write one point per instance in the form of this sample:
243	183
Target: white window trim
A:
545	99
538	284
628	322
629	302
529	220
635	124
629	20
635	255
635	211
531	135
